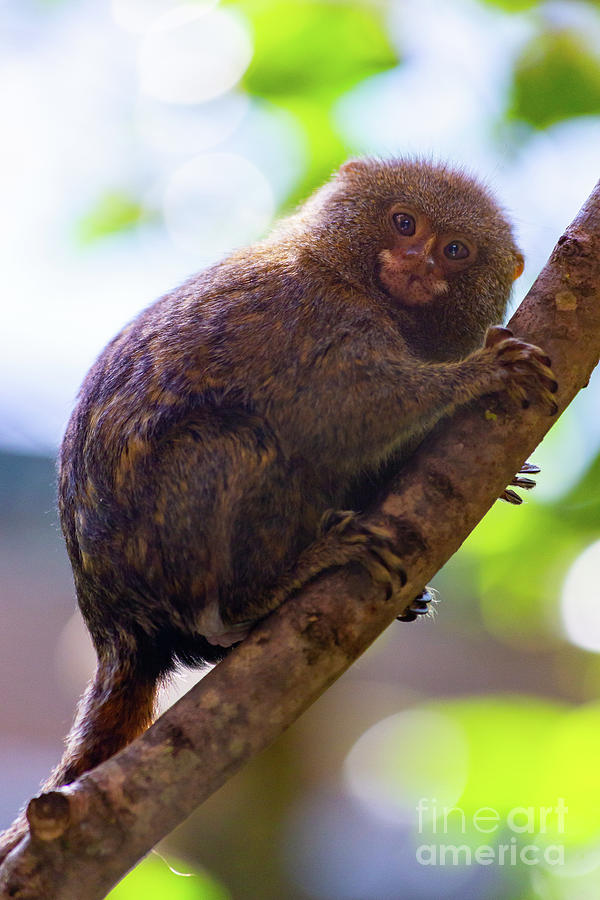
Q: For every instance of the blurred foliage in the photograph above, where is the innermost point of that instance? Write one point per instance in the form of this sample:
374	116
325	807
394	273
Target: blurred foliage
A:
556	77
522	557
512	6
306	56
156	879
527	769
310	48
115	211
508	741
580	508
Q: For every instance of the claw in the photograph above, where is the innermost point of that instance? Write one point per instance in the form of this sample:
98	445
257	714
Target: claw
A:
335	519
511	496
419	607
407	617
518	394
380	575
526	369
527	484
529	468
391	561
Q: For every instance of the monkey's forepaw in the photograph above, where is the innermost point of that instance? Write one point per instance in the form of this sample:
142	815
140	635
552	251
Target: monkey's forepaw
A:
526	484
523	369
421	606
367	544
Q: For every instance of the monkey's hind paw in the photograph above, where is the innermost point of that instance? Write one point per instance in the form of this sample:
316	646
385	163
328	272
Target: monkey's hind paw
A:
526	484
368	544
421	606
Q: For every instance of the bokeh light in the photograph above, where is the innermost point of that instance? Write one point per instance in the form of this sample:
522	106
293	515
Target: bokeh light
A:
190	55
391	766
580	603
139	15
179	130
567	770
456	62
215	202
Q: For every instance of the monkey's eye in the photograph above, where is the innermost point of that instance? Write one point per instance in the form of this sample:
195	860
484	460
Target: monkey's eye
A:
405	223
456	250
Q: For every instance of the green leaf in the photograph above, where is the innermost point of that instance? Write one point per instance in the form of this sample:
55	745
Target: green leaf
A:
513	5
521	558
325	149
154	879
557	77
114	212
581	506
314	49
507	737
527	759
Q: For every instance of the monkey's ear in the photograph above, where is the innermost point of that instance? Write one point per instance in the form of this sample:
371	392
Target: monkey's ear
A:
519	266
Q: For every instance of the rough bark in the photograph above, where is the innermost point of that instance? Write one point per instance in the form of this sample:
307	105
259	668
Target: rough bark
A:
86	836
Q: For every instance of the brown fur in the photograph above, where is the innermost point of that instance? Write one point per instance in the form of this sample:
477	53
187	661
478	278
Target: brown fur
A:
216	429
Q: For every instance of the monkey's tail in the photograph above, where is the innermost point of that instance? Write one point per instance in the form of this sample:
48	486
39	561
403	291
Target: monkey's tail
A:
117	706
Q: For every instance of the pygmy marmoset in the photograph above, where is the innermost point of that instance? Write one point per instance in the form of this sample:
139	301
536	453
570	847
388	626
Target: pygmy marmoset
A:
217	429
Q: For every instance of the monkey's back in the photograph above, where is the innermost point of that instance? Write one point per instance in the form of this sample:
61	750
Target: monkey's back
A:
199	457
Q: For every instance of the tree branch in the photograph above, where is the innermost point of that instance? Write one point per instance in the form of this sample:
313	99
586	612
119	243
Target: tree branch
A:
84	837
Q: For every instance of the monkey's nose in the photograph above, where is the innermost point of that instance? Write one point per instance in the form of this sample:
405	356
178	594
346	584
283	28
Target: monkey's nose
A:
429	264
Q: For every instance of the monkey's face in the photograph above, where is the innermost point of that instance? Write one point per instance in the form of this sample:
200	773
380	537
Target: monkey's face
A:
422	261
427	238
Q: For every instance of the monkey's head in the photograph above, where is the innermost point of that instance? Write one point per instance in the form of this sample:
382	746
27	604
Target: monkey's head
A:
430	241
